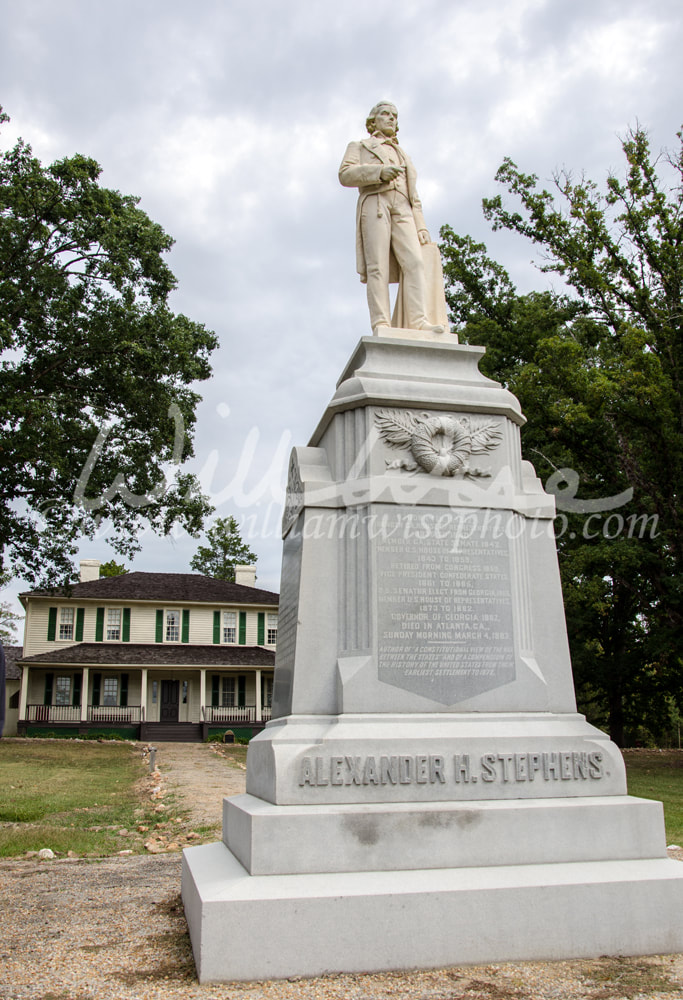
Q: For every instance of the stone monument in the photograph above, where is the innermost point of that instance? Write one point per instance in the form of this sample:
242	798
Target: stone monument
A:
426	793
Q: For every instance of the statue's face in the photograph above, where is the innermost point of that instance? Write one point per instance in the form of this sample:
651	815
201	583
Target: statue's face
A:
386	119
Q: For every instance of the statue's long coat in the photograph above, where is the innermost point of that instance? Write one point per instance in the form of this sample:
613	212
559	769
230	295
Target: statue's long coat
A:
361	168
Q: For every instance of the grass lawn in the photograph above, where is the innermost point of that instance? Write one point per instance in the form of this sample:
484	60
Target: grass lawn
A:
54	793
658	774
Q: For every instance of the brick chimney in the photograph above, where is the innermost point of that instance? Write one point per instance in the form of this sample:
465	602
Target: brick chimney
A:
90	570
245	576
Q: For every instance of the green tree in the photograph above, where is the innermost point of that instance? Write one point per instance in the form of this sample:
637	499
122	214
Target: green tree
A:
96	397
8	617
224	551
598	372
112	568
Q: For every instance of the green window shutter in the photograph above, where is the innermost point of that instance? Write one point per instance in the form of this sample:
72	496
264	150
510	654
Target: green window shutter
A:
96	686
159	637
185	630
80	619
261	637
243	628
241	691
76	695
99	625
215	690
52	625
124	690
125	631
216	626
49	682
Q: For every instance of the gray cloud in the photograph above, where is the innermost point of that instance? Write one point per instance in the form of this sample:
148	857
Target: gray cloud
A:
229	120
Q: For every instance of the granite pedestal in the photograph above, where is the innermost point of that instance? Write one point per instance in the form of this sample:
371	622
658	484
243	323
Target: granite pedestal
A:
426	793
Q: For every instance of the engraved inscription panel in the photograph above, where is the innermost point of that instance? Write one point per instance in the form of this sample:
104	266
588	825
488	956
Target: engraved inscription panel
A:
445	627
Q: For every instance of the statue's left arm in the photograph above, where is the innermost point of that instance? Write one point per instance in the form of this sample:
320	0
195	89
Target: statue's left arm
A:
420	224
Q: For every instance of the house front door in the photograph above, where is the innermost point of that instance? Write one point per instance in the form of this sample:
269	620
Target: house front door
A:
170	694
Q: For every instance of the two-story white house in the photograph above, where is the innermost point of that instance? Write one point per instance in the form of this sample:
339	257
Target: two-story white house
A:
149	656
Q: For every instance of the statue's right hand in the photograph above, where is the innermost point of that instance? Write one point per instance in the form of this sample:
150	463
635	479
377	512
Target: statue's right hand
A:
389	173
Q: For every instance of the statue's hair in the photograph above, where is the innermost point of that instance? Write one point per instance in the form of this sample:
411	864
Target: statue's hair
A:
370	120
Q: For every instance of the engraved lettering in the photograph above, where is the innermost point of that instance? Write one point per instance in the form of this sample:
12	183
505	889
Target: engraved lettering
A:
551	764
534	764
307	774
388	770
320	778
336	776
370	776
355	776
405	770
580	761
421	769
506	761
595	765
488	767
461	763
521	772
436	769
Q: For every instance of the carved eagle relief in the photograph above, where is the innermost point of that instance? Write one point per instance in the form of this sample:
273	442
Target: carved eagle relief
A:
440	445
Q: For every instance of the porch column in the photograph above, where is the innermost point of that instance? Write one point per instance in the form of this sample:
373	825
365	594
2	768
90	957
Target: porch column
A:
84	694
202	695
257	678
23	695
143	693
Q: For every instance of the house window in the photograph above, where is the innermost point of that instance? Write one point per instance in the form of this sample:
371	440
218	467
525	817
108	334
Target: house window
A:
172	626
114	624
155	691
110	691
272	630
63	690
228	692
229	626
184	698
66	624
268	692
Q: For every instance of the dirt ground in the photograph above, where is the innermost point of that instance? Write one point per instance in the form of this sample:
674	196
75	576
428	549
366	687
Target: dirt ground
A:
83	930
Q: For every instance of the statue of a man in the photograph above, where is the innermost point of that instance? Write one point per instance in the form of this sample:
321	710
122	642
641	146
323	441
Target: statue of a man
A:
390	227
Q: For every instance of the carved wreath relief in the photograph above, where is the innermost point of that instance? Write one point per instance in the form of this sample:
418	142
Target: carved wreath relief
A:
439	445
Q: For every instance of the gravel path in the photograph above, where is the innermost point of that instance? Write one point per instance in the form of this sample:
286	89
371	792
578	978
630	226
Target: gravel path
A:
114	929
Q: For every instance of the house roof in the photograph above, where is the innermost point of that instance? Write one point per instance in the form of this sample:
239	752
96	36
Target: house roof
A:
134	654
178	588
12	654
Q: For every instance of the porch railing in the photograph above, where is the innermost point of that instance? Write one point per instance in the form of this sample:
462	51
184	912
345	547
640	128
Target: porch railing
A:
53	713
114	713
234	713
72	713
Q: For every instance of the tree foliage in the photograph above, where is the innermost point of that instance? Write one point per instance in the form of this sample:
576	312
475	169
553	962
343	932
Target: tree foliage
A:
597	368
8	617
112	568
96	397
224	551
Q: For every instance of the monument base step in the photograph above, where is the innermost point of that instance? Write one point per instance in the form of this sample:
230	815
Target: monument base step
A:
247	927
279	840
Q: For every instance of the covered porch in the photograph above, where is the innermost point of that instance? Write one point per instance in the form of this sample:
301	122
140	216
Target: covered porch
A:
164	700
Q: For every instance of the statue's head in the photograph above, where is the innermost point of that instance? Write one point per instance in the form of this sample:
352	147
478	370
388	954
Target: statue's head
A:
383	117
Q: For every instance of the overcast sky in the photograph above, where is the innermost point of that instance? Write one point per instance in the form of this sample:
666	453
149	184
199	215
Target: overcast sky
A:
229	119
